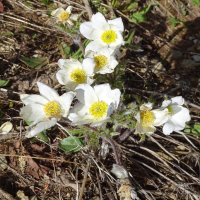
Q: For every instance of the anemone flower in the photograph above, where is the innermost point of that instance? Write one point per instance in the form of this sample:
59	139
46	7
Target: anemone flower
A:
73	73
178	115
147	119
46	109
96	104
103	33
104	60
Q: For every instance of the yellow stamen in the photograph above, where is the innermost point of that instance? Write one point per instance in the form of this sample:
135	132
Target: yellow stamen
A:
98	109
53	109
170	110
147	117
64	16
79	76
109	36
100	61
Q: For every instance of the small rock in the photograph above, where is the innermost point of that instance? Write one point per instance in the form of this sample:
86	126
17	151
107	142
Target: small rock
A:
158	68
188	64
196	42
196	58
191	38
176	54
192	48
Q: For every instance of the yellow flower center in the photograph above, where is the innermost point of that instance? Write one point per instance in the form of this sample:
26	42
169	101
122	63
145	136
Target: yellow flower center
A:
100	61
109	36
79	76
148	118
64	16
170	110
98	109
52	108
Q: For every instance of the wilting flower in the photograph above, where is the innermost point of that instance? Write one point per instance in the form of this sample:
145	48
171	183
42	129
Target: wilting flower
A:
63	16
177	116
73	73
96	104
45	110
104	61
104	34
147	118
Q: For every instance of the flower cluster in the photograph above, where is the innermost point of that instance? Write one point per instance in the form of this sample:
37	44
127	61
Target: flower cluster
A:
96	104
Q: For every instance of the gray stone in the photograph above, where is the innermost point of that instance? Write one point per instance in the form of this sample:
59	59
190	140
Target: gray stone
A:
176	54
188	64
196	58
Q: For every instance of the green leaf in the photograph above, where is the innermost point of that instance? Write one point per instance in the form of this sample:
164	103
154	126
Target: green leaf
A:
1	114
114	133
29	5
187	130
49	13
67	144
4	83
146	9
34	62
132	7
8	33
196	129
34	35
66	49
139	17
130	36
195	2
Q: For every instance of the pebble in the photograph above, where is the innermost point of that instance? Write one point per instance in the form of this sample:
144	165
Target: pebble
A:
196	58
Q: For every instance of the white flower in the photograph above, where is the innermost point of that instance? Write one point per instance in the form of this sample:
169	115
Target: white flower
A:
104	34
104	60
74	73
96	104
62	15
147	119
45	110
178	115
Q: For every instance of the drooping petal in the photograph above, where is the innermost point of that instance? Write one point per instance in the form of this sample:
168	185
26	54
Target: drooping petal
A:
41	126
88	66
179	100
86	29
165	103
116	94
86	94
33	98
99	21
161	116
95	45
149	129
63	77
65	100
57	12
47	92
100	121
69	9
32	112
168	127
89	54
117	22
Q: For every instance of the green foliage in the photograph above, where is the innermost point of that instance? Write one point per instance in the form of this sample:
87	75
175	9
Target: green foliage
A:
129	37
29	5
173	21
196	2
98	6
69	144
34	35
72	30
195	129
49	13
4	83
7	33
152	99
133	7
34	62
22	28
140	15
183	8
46	1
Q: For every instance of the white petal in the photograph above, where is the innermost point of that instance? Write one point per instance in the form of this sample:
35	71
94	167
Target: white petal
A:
69	64
88	66
168	127
79	120
47	92
33	98
147	105
161	116
149	129
57	12
90	80
63	77
117	22
71	85
116	97
113	62
102	91
100	122
86	94
165	103
179	100
99	21
65	100
69	9
96	34
89	54
118	42
6	128
32	112
95	45
110	110
175	108
74	17
86	29
139	128
41	127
